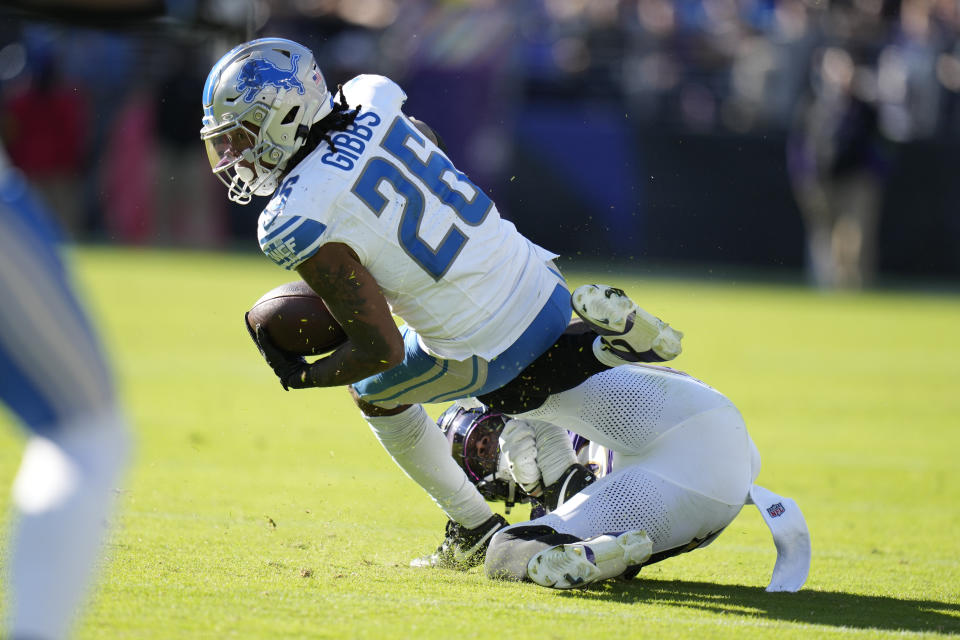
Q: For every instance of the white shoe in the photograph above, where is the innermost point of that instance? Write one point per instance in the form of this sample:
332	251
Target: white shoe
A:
625	329
578	564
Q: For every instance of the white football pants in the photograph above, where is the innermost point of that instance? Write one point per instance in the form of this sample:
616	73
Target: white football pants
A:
683	462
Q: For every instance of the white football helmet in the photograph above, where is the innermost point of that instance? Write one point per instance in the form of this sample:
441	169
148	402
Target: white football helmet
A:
259	102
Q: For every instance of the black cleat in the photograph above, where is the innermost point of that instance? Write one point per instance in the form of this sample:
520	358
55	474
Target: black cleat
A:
463	548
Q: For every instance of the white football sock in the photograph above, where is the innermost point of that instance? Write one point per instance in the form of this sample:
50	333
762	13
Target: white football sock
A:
421	449
790	535
62	496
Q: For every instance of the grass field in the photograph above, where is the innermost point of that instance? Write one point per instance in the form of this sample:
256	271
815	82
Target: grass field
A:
255	513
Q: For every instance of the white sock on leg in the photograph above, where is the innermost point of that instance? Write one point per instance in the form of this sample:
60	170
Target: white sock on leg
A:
554	450
419	447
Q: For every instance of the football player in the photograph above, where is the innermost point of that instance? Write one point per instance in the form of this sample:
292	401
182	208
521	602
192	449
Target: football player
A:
657	464
368	208
56	379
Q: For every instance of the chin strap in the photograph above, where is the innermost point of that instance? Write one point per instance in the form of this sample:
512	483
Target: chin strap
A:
511	495
492	488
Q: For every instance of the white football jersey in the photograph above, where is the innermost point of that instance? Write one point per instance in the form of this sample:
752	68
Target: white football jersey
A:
449	266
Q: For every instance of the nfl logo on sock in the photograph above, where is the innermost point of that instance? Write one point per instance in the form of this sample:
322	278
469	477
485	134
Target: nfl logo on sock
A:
776	510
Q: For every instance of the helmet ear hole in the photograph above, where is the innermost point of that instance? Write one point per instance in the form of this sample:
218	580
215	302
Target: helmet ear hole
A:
287	119
474	438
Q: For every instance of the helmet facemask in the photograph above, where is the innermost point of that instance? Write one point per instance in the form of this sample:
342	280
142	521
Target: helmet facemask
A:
246	163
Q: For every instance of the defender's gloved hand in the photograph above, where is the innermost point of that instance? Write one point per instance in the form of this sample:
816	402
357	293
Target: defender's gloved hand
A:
555	452
292	370
518	446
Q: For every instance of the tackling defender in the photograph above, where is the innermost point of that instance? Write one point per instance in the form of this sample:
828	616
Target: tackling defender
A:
374	216
674	463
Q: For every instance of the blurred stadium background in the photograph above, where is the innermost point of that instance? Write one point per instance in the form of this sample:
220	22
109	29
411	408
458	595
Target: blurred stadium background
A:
800	138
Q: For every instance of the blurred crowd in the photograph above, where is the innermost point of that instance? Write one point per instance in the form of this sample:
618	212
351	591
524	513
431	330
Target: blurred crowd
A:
844	81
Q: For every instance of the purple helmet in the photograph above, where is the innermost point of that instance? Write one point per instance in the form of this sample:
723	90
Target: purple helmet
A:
474	436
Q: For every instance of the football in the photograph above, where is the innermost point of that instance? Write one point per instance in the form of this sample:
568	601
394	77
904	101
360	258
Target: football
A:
297	320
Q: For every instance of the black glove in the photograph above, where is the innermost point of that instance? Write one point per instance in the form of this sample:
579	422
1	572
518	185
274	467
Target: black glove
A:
292	370
573	480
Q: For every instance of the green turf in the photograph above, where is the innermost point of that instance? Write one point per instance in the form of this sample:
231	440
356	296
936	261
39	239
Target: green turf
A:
255	513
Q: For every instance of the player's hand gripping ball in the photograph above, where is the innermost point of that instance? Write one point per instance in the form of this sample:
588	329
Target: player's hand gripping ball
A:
296	320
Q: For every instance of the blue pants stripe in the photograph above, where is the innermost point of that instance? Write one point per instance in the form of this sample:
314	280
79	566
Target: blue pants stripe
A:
469	389
424	378
417	362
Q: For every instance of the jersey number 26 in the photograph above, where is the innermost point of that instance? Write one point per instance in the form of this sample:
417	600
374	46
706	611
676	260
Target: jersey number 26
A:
429	175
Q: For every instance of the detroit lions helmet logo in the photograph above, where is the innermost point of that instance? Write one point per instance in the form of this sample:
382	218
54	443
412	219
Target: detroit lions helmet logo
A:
257	74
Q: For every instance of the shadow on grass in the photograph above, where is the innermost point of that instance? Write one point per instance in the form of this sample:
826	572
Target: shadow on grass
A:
810	607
